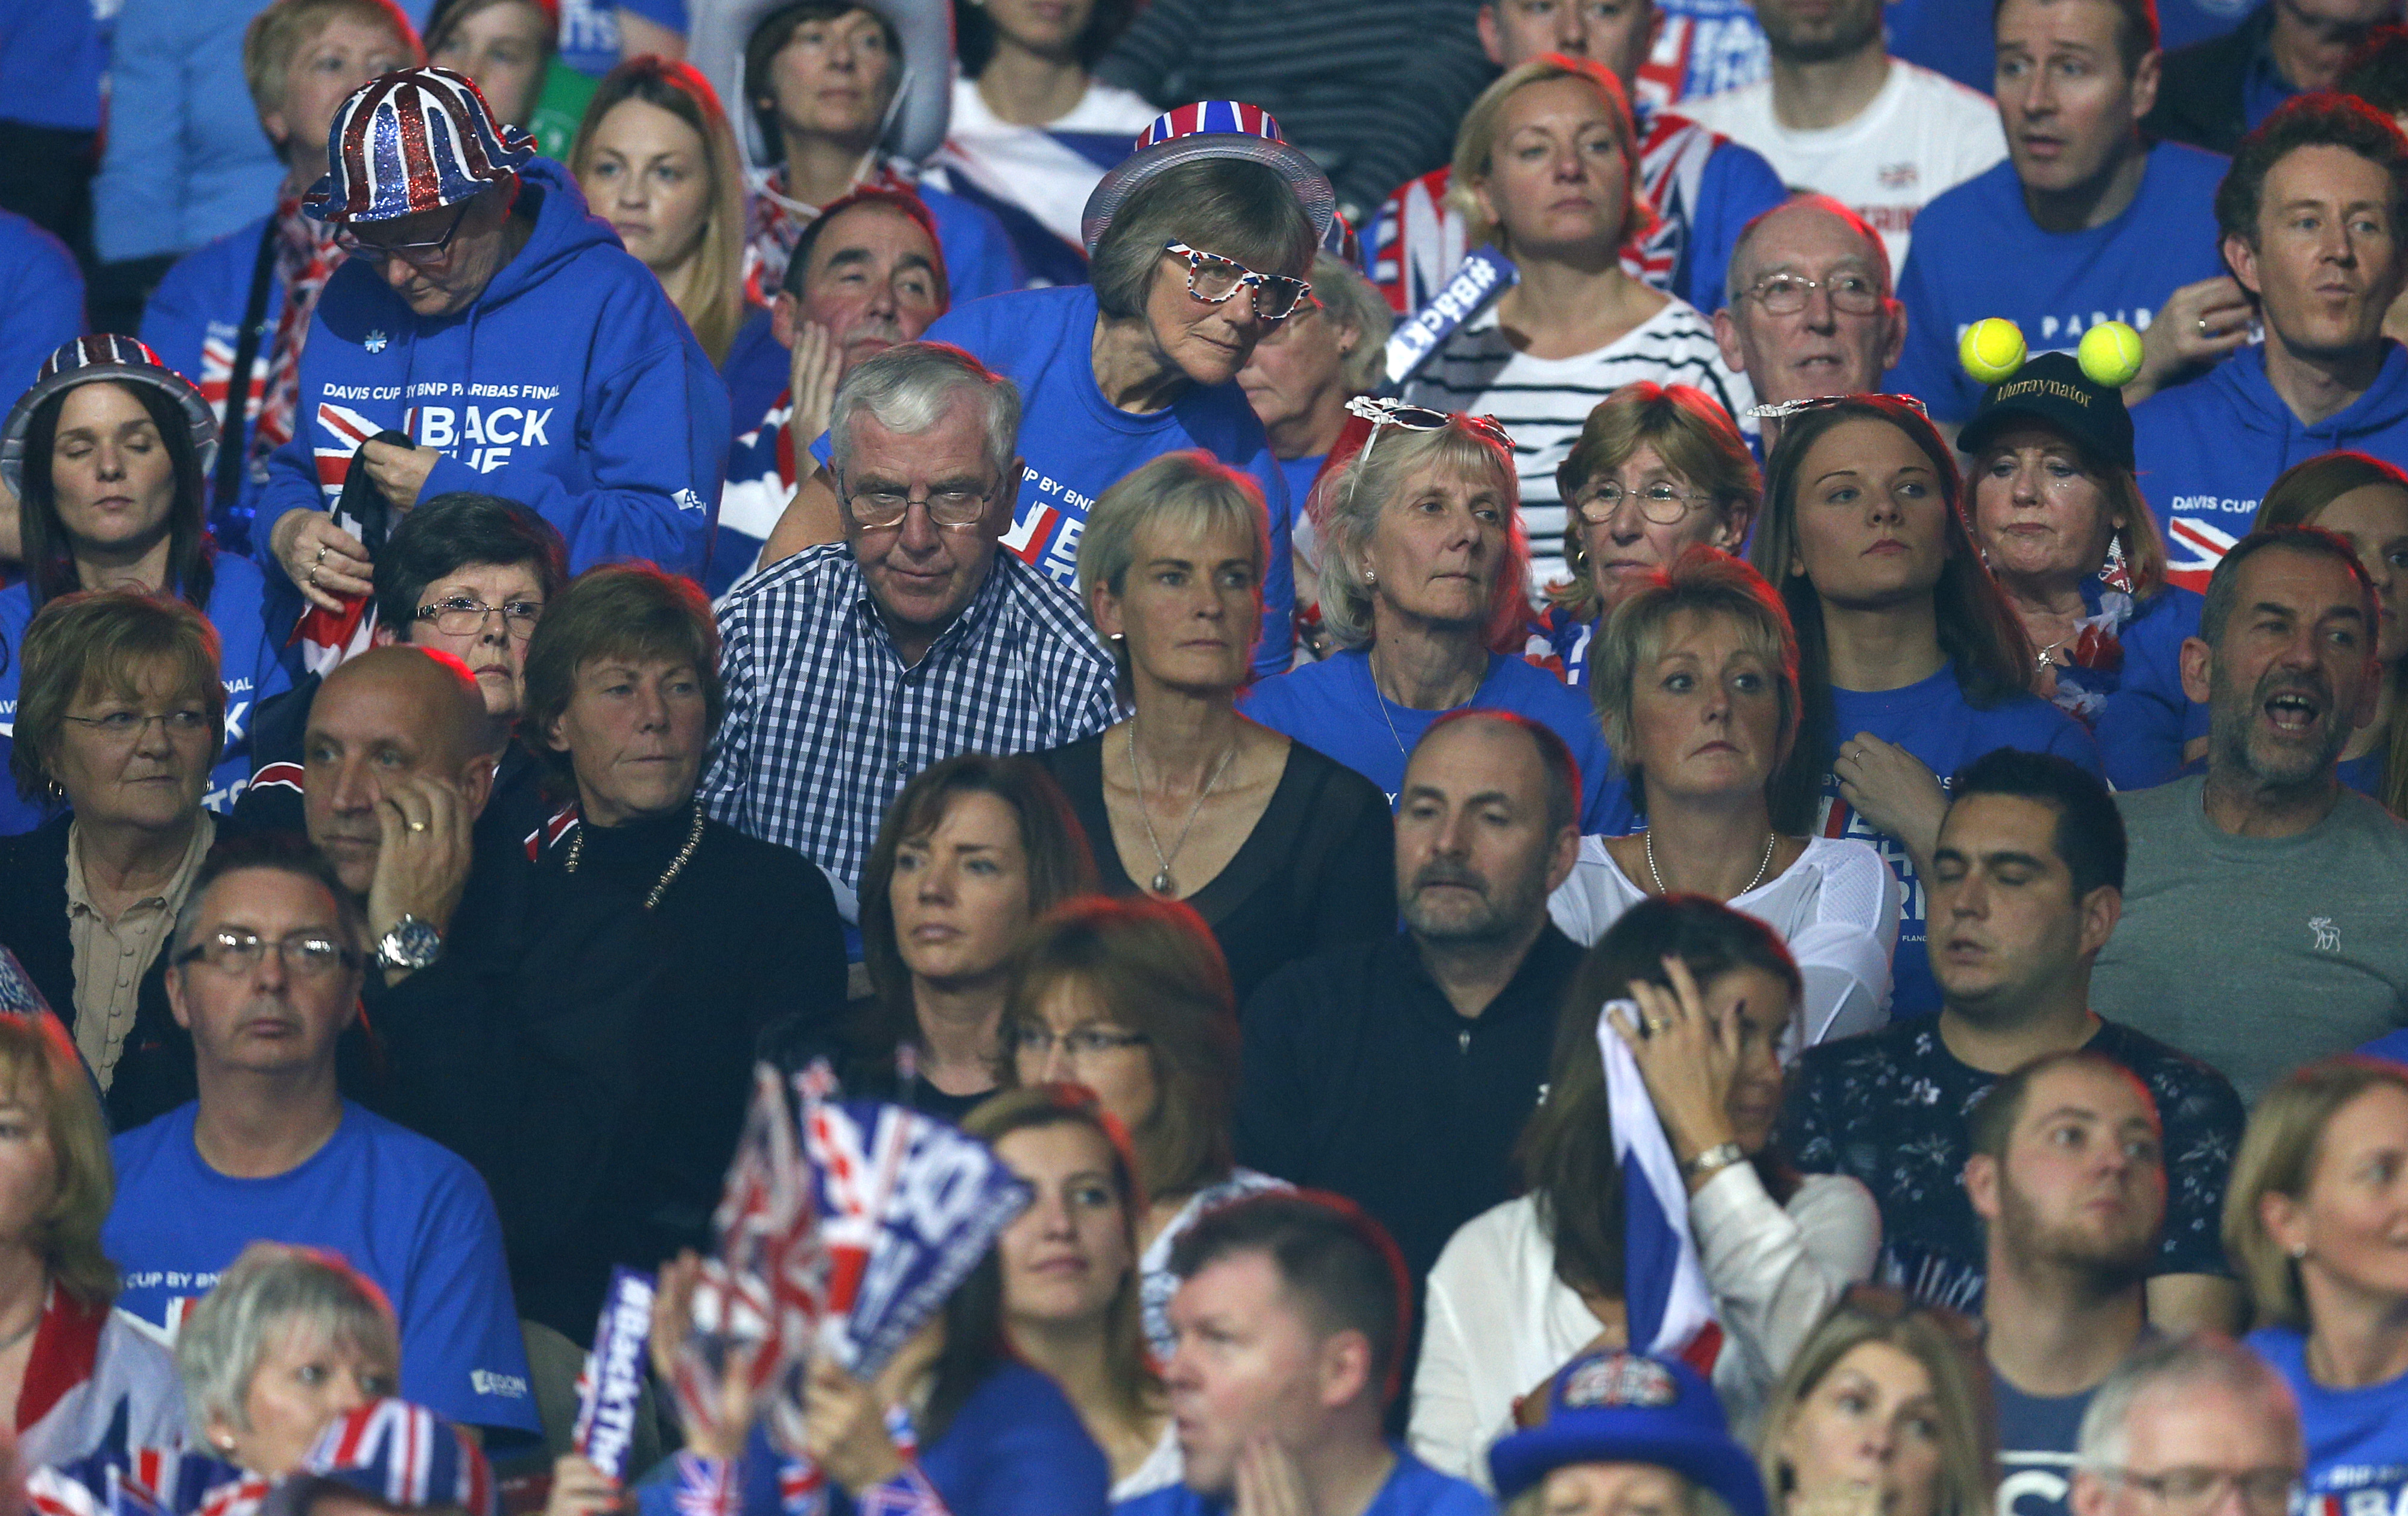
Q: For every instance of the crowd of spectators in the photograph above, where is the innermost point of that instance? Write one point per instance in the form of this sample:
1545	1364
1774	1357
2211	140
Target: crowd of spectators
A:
565	569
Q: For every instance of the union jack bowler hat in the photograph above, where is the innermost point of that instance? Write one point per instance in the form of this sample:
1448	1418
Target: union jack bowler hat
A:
1209	129
416	139
104	357
402	1456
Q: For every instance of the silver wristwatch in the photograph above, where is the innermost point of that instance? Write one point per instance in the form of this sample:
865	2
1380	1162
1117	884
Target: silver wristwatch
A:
1715	1159
411	945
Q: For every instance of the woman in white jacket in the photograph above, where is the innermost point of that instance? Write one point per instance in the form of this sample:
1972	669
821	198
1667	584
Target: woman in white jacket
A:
1695	676
1527	1286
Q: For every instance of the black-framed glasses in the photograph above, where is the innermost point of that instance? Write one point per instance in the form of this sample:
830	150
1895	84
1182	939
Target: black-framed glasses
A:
1784	294
2190	1489
416	254
1213	279
234	951
1662	502
460	616
882	506
1383	412
1079	1042
127	726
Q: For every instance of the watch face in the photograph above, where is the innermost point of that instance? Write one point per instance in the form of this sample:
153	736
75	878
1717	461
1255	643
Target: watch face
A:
410	944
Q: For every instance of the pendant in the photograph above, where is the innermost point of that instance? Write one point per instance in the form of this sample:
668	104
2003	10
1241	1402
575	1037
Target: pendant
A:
1164	885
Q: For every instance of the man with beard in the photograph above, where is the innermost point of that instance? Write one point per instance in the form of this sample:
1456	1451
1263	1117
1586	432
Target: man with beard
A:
2266	925
1399	1073
2026	886
2068	1176
1841	117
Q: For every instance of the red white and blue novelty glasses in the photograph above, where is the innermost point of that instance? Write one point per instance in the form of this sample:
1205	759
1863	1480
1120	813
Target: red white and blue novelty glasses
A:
1213	279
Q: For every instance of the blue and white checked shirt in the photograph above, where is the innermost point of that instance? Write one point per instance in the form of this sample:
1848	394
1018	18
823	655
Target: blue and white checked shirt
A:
825	725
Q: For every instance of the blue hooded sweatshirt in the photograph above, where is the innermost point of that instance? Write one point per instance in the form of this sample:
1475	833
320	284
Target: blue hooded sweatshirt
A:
2208	450
570	385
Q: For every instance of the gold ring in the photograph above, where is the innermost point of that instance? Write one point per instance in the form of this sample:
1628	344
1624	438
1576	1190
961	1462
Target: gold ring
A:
322	552
418	826
1657	1024
313	577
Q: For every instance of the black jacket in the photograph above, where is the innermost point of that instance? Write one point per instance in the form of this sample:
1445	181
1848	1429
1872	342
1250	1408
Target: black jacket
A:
155	1071
1359	1076
2200	99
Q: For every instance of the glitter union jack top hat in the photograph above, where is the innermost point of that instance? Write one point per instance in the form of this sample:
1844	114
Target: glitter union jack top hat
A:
1209	129
104	357
402	1456
416	139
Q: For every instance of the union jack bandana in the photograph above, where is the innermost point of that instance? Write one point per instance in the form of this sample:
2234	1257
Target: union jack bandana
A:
402	1455
415	141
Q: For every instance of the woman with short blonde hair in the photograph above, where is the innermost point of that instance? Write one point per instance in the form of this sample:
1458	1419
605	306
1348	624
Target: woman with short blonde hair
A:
287	1341
1281	851
1546	168
1423	588
2312	1221
1881	1368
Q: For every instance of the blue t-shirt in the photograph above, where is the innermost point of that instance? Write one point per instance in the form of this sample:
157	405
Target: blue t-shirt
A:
1932	720
2037	1437
1076	444
41	297
404	1211
1412	1489
2143	718
1334	708
1977	253
248	645
2357	1439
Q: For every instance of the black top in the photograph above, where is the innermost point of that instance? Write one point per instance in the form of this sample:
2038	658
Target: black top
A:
1359	1076
629	1044
1318	871
2202	94
1888	1109
154	1070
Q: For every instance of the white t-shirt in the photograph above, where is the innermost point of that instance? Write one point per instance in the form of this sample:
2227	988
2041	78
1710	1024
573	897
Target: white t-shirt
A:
1499	1320
1049	170
1543	401
1836	907
1922	135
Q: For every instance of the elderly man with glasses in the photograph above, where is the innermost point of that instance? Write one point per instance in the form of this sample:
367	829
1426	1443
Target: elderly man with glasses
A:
852	666
1809	311
2192	1425
483	333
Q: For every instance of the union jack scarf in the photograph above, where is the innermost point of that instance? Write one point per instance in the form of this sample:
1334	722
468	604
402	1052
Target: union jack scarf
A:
307	256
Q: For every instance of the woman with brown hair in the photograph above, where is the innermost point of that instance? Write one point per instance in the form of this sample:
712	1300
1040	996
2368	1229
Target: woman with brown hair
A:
1068	1268
1524	1288
657	160
1909	662
659	943
1131	999
2364	502
972	850
2312	1220
2060	517
1885	1410
1658	469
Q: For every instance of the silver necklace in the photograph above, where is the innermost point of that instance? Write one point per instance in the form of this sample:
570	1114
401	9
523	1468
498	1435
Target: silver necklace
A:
1163	883
1647	839
693	840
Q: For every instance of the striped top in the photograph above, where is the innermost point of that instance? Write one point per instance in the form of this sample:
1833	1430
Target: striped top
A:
1371	88
1545	401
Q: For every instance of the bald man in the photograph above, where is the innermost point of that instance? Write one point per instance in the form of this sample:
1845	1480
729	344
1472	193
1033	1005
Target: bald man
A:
1784	327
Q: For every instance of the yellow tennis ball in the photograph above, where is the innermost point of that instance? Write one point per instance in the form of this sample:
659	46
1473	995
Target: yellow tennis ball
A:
2110	354
1992	348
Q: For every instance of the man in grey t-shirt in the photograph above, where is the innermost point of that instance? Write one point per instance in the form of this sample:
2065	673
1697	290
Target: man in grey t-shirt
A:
2266	905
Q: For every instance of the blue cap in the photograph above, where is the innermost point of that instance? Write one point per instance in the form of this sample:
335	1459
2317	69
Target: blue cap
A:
1627	1408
